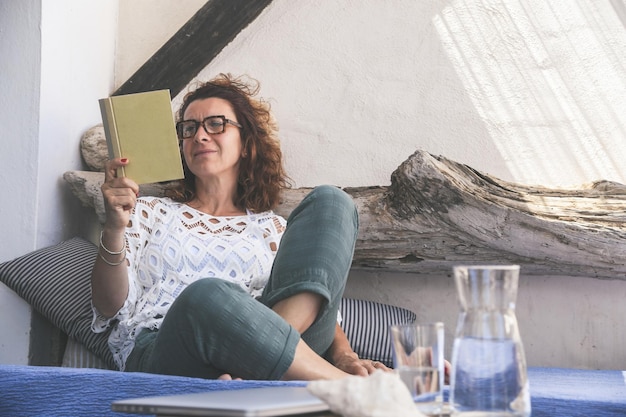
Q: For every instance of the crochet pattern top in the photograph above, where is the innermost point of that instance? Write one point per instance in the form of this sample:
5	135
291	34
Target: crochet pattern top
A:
170	245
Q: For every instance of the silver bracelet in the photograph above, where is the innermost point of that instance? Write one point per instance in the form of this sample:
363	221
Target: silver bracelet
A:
110	252
112	263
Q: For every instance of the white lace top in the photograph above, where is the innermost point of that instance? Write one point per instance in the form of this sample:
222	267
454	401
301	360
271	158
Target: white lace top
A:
170	245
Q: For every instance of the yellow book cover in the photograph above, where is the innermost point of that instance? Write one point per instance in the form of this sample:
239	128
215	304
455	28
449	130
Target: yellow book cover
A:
141	127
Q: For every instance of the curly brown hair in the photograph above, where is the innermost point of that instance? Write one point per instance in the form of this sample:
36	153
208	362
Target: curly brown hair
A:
261	173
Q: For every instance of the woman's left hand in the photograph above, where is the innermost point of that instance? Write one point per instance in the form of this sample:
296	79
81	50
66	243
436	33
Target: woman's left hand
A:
354	365
227	377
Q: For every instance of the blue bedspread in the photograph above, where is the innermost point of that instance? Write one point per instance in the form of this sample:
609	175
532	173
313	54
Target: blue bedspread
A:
559	392
28	391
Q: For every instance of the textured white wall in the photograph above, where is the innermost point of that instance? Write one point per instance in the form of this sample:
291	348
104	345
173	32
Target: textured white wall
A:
135	46
20	49
531	92
57	60
568	322
534	93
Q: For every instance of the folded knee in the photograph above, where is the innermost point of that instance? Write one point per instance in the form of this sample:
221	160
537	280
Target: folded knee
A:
207	295
330	198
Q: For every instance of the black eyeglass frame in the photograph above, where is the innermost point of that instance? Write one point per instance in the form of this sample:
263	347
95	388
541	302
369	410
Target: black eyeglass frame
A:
197	124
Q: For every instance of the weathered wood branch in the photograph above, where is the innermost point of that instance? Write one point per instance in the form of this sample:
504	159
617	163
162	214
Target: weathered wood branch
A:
438	213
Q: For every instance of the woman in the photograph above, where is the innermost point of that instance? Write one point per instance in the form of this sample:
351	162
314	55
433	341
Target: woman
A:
272	313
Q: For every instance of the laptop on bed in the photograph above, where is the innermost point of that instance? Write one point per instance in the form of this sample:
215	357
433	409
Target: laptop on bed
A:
247	402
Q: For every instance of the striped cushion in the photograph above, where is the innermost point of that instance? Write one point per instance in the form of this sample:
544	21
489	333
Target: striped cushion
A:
366	324
78	356
55	282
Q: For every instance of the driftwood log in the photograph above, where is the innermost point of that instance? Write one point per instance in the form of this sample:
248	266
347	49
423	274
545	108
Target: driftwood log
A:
438	213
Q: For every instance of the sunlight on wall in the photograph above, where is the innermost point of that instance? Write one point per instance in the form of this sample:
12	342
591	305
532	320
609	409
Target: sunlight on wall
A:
548	79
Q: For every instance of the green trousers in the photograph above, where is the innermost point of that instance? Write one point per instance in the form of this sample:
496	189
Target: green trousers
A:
215	327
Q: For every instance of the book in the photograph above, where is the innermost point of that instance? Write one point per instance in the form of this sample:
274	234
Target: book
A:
141	127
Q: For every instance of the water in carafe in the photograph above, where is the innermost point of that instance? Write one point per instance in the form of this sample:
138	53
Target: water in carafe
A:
488	363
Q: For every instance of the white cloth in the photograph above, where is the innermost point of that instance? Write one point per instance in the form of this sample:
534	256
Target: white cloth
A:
170	245
382	394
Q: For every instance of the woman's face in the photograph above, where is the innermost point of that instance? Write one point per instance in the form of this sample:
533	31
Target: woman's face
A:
213	156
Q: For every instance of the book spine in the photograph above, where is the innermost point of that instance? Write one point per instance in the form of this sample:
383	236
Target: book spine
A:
110	131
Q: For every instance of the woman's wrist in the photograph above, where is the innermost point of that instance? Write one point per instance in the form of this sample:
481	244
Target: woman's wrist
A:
112	263
110	254
344	354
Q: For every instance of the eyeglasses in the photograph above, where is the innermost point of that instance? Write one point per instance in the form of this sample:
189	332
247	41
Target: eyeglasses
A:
213	125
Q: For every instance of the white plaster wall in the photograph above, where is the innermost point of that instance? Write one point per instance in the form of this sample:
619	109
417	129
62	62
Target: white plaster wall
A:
532	92
564	321
19	102
136	46
57	60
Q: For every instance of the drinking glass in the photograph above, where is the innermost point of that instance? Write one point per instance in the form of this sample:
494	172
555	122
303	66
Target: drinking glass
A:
418	360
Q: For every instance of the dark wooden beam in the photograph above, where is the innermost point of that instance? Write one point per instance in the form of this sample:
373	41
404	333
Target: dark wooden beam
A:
191	49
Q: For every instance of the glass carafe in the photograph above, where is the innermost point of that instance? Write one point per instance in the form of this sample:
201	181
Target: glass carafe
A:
489	375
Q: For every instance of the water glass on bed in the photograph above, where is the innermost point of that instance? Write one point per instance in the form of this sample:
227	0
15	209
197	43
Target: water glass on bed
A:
418	360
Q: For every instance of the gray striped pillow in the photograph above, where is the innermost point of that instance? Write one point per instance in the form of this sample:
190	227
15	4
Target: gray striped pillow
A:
55	282
367	323
78	356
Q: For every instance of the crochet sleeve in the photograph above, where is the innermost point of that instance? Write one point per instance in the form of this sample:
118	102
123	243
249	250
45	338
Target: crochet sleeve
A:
274	228
271	229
